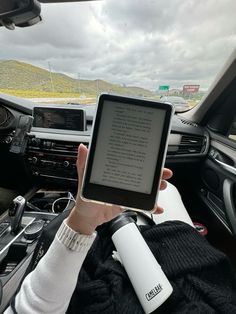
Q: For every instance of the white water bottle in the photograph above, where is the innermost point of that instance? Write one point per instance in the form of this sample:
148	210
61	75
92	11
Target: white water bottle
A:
146	275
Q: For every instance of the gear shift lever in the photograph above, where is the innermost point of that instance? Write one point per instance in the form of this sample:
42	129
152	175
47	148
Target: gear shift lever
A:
15	213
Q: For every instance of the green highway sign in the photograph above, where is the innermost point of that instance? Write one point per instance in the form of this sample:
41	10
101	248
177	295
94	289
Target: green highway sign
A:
164	87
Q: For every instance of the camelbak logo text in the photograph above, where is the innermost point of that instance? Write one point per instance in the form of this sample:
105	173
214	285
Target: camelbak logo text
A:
152	293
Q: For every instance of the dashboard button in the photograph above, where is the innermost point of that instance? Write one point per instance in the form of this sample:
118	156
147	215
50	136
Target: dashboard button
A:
66	163
8	139
34	160
35	142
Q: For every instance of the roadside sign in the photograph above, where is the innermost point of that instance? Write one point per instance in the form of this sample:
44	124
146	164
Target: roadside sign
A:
191	88
164	87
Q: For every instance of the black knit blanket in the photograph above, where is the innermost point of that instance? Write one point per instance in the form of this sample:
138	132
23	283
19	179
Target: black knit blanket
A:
202	277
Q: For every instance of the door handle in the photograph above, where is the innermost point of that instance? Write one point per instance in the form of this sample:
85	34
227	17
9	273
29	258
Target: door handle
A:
229	203
229	168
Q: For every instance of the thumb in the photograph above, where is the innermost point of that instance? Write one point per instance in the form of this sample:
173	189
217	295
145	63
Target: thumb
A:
80	163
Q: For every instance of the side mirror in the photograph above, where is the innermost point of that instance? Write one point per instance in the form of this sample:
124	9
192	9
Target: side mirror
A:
20	13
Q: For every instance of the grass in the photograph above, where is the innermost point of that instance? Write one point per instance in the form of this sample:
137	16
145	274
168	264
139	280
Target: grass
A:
41	94
28	81
192	102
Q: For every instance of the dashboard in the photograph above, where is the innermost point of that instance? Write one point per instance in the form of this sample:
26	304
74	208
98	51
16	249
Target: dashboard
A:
5	117
52	141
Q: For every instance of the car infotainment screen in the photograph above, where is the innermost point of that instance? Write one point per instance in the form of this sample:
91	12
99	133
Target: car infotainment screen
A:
59	118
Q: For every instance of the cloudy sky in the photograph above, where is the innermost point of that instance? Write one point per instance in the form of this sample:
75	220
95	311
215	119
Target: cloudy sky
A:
144	43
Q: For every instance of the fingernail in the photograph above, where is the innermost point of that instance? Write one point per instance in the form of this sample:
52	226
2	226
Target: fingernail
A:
160	210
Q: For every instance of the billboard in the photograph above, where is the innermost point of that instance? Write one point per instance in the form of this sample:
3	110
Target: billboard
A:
191	88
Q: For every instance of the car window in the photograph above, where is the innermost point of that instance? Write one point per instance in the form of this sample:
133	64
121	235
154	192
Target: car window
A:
137	48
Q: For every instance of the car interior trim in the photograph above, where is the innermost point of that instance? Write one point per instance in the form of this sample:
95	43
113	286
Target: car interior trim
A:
62	137
215	212
29	221
57	177
226	149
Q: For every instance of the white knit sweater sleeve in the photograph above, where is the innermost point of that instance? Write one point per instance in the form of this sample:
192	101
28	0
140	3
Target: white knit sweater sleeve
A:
49	287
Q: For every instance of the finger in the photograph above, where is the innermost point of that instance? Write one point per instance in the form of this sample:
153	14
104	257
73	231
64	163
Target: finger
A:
163	185
81	159
166	174
118	209
158	210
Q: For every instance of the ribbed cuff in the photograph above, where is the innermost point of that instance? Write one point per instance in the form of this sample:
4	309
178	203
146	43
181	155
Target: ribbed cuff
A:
73	240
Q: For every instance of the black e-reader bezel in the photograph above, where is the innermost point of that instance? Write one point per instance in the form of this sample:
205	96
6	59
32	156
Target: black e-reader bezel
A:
117	196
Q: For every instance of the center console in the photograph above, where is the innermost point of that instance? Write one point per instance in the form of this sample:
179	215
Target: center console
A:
17	246
48	143
51	158
46	152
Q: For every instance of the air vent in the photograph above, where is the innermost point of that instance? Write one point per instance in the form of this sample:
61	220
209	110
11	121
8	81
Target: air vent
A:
187	122
191	140
189	150
9	117
67	147
49	146
191	144
63	146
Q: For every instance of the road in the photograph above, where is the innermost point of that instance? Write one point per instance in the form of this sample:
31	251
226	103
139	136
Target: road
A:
62	100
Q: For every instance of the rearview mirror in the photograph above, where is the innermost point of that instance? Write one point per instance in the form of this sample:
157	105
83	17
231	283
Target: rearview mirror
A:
19	13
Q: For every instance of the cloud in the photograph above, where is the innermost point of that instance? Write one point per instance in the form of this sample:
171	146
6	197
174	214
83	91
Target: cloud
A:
135	42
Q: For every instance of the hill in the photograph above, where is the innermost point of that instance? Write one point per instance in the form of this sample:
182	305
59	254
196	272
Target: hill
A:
17	75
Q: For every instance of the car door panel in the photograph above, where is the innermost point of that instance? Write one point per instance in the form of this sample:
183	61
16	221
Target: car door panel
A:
229	201
218	175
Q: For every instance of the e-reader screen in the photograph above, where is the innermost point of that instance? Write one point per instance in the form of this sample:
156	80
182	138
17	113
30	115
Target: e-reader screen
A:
125	156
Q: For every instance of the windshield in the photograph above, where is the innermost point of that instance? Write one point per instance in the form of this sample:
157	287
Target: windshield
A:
176	99
141	48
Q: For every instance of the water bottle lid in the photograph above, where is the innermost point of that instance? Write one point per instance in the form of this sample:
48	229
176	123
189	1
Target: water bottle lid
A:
122	220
